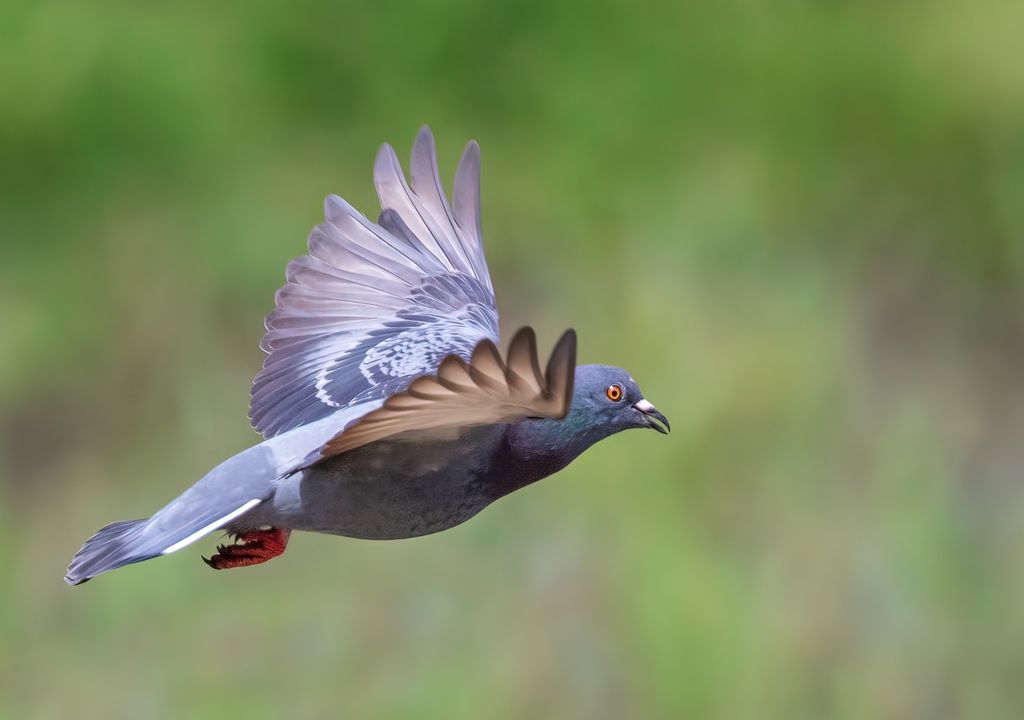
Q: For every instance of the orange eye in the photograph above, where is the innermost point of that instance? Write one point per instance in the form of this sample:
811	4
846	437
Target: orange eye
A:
614	392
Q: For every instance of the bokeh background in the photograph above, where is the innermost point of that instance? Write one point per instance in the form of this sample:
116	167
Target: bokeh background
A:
799	224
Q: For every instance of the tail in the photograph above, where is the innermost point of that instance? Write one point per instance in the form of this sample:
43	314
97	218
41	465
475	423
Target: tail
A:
131	541
230	490
111	547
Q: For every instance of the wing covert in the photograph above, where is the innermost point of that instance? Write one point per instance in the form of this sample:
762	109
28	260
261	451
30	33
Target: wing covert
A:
485	390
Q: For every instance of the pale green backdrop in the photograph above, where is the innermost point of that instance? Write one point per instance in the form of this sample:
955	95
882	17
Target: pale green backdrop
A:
799	224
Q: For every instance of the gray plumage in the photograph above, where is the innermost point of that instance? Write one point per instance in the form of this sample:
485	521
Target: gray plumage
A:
387	409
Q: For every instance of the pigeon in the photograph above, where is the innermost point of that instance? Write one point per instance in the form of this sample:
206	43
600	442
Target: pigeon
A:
386	408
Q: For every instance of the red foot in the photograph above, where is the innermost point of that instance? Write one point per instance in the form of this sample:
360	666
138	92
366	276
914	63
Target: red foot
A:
250	548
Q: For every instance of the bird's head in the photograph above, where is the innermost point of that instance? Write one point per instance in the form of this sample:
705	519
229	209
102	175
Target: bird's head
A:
607	399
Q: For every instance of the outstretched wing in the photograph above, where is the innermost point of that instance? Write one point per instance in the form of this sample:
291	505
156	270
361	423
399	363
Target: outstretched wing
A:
375	305
483	391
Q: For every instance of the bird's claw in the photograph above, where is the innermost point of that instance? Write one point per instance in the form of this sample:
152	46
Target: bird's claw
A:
250	548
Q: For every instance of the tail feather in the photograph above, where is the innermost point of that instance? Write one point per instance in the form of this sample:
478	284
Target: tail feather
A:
225	494
131	541
112	546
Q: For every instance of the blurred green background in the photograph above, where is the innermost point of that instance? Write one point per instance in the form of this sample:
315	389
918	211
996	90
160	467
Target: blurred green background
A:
799	224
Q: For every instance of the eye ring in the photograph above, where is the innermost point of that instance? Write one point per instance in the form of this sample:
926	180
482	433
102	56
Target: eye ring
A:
614	392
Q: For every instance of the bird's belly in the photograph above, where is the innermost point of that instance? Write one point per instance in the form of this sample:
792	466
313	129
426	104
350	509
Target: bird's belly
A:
394	489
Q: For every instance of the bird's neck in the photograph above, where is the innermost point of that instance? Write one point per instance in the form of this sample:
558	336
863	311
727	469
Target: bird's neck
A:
534	449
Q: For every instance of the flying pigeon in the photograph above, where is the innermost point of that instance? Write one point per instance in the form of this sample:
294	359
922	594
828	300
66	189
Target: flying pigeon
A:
386	407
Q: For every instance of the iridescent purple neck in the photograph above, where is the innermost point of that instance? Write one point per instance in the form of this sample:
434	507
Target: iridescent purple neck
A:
533	449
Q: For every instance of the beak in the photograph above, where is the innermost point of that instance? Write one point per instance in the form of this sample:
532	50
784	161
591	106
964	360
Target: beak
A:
655	420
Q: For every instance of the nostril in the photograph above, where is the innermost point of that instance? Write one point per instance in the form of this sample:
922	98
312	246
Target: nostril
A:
644	406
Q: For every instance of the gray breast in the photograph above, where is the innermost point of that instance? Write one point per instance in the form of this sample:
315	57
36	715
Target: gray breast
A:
413	484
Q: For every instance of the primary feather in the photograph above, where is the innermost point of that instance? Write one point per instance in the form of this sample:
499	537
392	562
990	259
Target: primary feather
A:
375	305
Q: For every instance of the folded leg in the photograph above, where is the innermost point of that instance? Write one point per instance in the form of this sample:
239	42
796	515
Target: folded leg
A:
250	548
